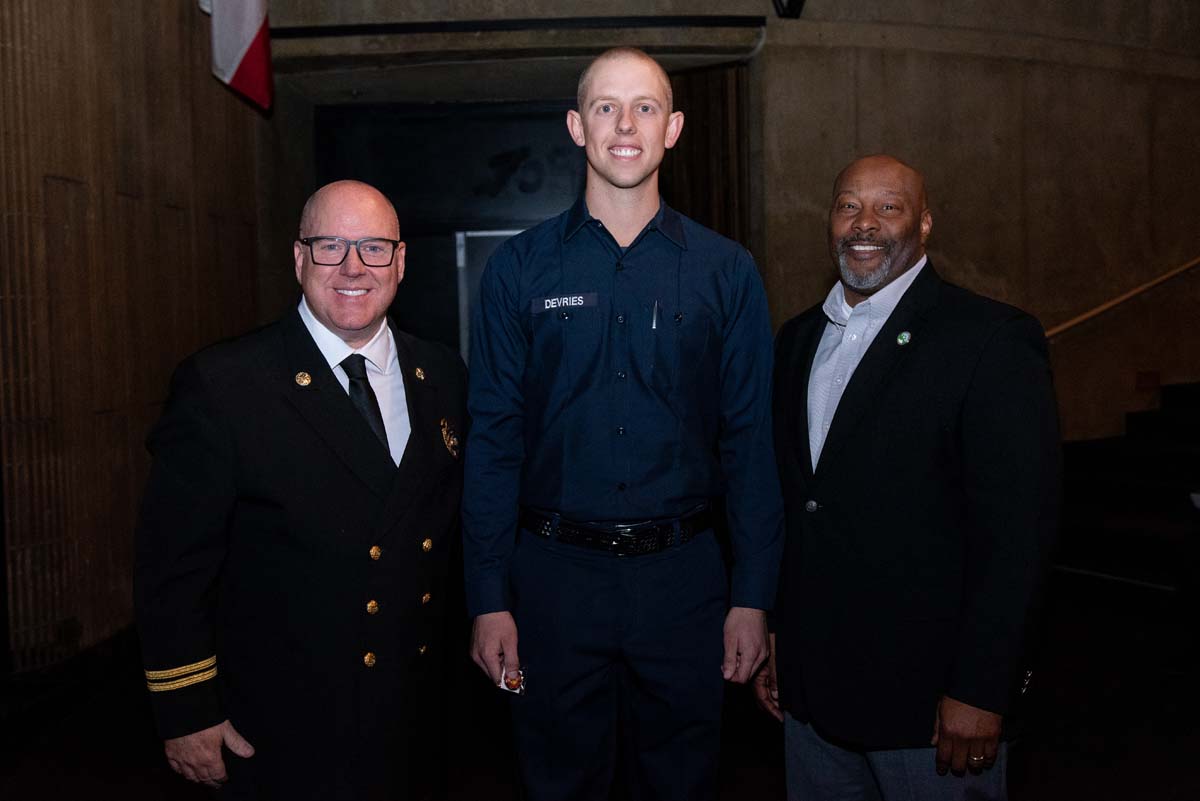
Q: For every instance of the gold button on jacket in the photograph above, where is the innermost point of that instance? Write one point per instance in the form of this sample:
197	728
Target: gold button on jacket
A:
426	598
427	545
271	453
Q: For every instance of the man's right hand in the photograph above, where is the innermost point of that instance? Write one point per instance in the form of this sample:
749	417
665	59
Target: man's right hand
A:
766	690
197	756
494	644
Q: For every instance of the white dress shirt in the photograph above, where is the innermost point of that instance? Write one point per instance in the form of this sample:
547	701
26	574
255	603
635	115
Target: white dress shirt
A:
383	374
848	334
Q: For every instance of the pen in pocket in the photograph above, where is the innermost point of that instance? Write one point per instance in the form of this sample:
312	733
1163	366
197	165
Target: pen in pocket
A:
654	318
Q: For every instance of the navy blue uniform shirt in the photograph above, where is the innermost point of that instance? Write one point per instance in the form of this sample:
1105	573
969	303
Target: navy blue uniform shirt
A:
611	384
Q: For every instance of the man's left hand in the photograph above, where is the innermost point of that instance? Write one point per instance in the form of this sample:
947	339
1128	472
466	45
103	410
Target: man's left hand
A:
966	737
745	643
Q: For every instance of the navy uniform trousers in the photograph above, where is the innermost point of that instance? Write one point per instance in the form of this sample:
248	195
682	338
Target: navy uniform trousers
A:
623	661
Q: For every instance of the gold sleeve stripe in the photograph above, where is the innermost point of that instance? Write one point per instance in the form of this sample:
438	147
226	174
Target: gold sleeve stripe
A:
157	675
163	686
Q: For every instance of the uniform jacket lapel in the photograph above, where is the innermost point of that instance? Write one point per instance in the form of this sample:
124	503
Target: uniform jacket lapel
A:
879	363
427	450
326	407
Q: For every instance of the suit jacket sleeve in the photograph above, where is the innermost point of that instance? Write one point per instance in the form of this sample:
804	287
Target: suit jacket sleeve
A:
1011	465
783	406
181	542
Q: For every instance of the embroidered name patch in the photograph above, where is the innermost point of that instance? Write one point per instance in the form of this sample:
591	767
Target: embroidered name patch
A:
541	305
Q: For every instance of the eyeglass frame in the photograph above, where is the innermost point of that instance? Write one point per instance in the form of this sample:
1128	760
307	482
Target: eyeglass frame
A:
308	240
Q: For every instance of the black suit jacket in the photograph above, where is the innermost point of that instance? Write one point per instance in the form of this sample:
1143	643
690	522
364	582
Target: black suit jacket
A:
272	518
915	550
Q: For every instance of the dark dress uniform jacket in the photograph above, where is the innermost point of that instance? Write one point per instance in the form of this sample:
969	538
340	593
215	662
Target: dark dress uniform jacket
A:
272	519
914	551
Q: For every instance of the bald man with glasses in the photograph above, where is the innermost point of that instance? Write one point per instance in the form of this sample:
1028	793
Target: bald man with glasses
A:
293	543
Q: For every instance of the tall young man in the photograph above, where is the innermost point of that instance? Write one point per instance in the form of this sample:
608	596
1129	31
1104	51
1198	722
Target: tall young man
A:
620	382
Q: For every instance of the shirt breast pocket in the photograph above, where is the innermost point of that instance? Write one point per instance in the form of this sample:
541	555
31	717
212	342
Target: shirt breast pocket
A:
568	344
686	358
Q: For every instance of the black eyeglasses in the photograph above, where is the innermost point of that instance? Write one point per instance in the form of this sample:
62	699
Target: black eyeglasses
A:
330	251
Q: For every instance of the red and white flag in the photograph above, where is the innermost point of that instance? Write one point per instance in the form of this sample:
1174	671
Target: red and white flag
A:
241	47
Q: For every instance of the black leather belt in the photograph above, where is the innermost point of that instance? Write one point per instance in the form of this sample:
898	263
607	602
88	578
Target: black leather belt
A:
619	539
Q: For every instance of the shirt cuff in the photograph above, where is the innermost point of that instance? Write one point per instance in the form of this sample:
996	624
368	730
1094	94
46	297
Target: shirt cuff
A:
754	589
487	594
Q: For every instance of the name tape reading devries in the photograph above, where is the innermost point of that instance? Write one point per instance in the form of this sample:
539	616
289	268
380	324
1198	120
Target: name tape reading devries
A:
540	305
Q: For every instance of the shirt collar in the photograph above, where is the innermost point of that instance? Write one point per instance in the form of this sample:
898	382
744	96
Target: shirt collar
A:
380	351
577	217
666	220
670	224
879	305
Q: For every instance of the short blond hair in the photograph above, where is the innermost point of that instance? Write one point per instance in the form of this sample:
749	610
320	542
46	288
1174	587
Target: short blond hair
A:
614	54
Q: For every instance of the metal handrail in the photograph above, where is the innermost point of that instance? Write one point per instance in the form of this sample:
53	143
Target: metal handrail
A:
1109	305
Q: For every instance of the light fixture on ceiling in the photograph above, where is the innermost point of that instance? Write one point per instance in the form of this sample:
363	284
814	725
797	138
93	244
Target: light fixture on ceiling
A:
789	9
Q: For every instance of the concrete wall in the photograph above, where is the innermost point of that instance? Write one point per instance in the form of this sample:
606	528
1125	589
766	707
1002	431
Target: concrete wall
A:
1059	141
535	62
352	12
127	200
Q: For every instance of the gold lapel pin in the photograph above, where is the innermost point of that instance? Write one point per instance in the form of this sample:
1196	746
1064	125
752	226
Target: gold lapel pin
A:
904	338
419	373
449	438
303	379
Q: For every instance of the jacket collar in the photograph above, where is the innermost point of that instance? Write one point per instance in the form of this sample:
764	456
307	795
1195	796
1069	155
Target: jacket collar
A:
886	353
429	443
308	383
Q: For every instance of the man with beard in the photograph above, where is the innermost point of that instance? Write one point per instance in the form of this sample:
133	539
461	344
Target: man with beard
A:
620	383
917	441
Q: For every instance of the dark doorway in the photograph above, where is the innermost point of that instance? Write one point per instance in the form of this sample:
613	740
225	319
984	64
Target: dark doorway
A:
707	175
463	178
466	176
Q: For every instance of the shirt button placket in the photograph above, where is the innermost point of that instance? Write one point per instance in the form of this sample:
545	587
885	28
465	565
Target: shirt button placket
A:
621	341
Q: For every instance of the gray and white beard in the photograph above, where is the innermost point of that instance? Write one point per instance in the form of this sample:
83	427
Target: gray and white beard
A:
872	280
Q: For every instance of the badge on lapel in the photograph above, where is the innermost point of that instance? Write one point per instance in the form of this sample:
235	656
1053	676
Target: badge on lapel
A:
449	438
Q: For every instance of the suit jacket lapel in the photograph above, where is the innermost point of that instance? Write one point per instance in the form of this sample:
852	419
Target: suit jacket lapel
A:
326	407
801	367
884	356
427	450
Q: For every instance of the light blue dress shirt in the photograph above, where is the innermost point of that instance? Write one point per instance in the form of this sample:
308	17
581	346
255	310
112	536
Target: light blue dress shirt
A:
848	334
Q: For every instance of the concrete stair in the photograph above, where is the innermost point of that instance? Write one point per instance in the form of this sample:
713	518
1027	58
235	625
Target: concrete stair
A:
1128	512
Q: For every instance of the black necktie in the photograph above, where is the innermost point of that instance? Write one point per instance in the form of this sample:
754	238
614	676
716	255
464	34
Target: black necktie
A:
363	397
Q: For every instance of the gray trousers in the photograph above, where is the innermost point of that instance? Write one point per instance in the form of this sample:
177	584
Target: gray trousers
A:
818	770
